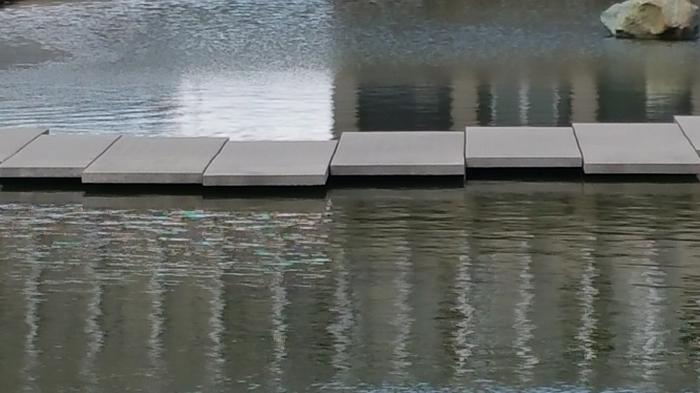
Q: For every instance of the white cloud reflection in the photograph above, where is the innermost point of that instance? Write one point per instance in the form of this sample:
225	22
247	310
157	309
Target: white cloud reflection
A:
257	106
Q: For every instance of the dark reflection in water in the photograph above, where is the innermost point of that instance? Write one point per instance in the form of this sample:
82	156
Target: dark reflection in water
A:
310	69
557	287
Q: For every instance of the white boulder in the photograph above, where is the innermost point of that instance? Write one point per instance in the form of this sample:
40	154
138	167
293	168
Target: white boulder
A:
652	19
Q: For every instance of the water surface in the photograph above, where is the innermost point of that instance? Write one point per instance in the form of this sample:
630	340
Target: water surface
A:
310	69
503	287
496	287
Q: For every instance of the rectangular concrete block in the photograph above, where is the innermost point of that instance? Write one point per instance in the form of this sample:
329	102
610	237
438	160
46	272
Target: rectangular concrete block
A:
13	139
652	148
414	153
154	160
56	156
691	127
271	163
521	147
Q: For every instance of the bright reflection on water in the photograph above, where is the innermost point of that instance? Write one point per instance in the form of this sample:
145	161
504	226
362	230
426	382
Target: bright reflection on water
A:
502	287
310	69
304	98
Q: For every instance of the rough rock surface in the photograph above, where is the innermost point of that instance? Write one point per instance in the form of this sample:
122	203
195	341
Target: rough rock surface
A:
652	19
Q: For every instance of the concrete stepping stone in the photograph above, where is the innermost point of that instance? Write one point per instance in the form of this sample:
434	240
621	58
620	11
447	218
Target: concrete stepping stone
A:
414	153
271	163
56	156
521	147
691	127
154	160
650	148
13	139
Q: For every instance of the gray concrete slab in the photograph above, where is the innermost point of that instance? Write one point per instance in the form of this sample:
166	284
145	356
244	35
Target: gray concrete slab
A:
691	127
154	160
521	147
271	163
50	156
635	149
13	139
415	153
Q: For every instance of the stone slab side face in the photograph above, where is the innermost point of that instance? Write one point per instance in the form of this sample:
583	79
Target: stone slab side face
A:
612	148
154	160
521	147
691	127
271	163
422	153
51	156
13	139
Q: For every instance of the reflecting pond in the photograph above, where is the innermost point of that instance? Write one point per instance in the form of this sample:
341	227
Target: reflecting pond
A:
500	286
495	287
310	69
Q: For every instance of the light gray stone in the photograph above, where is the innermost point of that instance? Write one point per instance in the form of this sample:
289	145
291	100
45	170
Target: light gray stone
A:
154	160
421	153
271	163
13	139
652	19
691	127
63	156
635	149
521	147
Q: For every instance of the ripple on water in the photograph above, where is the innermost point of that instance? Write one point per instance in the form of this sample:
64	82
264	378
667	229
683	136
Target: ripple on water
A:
372	290
314	68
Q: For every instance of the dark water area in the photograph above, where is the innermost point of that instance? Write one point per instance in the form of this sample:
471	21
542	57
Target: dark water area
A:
493	287
310	69
496	287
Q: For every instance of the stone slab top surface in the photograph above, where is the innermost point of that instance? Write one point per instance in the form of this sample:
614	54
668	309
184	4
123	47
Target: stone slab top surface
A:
154	160
15	138
399	153
624	148
56	156
521	147
271	163
691	127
